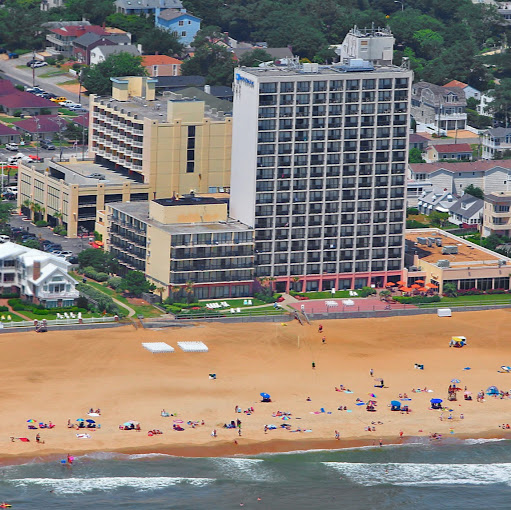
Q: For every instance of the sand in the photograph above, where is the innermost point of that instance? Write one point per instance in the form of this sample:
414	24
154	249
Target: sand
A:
60	375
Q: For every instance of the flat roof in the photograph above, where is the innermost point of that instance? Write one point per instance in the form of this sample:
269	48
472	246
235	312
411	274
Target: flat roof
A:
77	172
140	211
187	200
329	71
468	253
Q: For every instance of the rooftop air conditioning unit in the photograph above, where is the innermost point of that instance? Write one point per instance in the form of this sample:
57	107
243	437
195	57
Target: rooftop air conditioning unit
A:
443	263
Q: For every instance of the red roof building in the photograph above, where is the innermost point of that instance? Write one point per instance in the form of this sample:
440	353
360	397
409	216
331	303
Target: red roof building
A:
161	65
41	127
13	100
61	38
8	135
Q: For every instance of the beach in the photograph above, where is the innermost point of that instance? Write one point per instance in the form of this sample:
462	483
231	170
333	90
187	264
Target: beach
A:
60	376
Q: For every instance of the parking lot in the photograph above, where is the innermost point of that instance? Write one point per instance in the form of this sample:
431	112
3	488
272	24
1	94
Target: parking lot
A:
73	245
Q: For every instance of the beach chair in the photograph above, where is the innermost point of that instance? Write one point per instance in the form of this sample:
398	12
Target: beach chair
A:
238	310
232	310
249	302
66	315
245	302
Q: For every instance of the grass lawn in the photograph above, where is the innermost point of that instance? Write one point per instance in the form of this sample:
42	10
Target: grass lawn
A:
69	113
51	316
14	317
489	299
233	303
69	82
52	71
328	295
247	311
145	310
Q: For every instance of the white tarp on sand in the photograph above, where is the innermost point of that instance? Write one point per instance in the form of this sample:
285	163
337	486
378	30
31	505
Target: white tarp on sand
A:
193	346
157	347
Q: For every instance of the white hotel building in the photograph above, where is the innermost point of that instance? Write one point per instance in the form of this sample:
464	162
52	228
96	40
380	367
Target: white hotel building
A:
318	168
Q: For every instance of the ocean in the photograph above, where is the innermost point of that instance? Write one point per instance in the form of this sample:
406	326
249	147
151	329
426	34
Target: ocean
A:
447	474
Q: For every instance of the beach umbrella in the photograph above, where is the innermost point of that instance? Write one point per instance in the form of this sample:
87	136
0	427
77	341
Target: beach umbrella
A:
419	281
90	421
31	421
80	419
265	395
395	403
372	395
455	381
390	284
436	400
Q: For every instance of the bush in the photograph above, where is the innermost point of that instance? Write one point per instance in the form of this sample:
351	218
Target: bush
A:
415	224
9	295
17	113
18	308
38	311
100	300
115	282
497	291
416	299
51	61
265	298
41	223
60	230
45	111
101	277
366	291
413	211
4	309
172	308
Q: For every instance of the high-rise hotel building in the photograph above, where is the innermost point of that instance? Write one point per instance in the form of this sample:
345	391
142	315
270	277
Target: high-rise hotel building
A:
319	170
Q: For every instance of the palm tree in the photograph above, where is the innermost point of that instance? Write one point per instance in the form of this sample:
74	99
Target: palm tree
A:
160	290
36	209
58	216
295	279
189	291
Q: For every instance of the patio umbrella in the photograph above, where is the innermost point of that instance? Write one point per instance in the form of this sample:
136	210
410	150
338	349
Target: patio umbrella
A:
405	289
401	282
415	286
455	381
390	284
431	285
80	419
419	281
422	289
90	421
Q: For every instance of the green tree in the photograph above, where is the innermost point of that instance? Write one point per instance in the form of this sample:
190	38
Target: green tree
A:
159	40
474	191
98	259
73	131
95	11
428	42
254	58
500	107
135	283
438	219
5	212
32	243
415	156
96	79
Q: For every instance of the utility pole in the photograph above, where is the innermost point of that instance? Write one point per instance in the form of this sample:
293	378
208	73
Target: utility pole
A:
33	69
38	141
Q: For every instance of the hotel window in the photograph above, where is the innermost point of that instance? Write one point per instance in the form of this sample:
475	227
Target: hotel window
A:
190	153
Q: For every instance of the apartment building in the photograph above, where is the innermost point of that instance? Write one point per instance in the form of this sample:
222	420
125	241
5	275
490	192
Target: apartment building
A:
69	193
175	146
497	214
39	277
180	243
318	169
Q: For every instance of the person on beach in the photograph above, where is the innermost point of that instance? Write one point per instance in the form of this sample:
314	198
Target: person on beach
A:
313	365
400	433
38	438
381	443
70	459
266	429
213	434
337	435
320	328
323	340
371	372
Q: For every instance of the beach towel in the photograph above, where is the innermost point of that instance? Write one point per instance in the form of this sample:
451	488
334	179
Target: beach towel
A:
83	436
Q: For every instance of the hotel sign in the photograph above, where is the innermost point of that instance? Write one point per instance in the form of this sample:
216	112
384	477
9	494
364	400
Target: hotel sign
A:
243	79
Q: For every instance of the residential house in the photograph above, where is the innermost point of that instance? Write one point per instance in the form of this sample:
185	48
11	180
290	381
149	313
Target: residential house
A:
438	108
504	9
490	176
161	65
43	127
8	135
495	142
436	200
497	214
101	53
13	100
145	7
182	23
61	38
39	277
276	54
418	142
87	42
458	151
81	120
467	89
467	212
51	4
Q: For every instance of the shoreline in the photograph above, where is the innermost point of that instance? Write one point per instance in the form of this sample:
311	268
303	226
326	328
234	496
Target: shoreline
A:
251	448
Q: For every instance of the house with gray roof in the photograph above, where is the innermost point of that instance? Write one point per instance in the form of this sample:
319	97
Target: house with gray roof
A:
439	108
495	142
435	200
145	7
100	53
83	45
467	212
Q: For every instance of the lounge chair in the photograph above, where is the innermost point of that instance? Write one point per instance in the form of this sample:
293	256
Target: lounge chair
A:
238	310
232	310
249	302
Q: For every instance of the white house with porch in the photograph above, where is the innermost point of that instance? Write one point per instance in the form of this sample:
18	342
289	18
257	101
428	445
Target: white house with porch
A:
40	277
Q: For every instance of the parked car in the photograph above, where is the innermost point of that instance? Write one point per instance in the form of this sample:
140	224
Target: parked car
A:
34	90
45	144
95	175
4	238
12	147
8	196
39	63
47	95
58	99
73	259
13	55
36	158
67	103
65	253
76	108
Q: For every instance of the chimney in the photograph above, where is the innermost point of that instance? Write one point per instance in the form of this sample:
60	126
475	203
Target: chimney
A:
207	89
37	270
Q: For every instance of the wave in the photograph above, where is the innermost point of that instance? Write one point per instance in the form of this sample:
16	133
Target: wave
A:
82	485
243	468
483	441
423	474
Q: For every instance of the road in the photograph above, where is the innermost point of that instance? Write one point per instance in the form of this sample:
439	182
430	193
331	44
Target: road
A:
46	154
24	77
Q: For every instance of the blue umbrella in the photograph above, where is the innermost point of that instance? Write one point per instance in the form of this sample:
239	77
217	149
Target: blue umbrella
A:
455	381
265	395
395	403
80	419
436	400
90	421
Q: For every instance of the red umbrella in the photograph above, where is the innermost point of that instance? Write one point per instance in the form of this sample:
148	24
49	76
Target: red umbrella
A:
422	289
431	285
415	286
405	289
400	283
390	284
419	281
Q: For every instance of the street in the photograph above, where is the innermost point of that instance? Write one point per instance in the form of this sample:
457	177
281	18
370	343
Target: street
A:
73	245
24	77
46	154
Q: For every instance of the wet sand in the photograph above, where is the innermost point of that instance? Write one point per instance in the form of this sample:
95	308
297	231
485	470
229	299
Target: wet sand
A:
60	375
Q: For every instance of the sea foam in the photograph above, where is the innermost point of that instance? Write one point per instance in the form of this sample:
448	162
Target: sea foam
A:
423	474
82	485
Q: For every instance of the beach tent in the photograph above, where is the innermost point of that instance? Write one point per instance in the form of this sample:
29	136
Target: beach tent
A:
492	390
436	403
395	405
